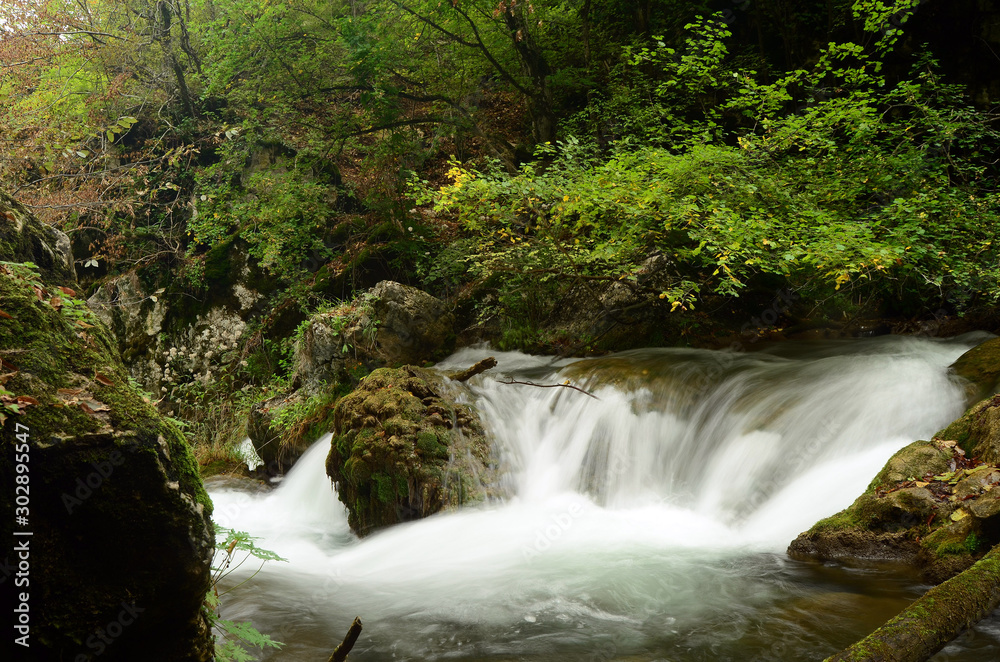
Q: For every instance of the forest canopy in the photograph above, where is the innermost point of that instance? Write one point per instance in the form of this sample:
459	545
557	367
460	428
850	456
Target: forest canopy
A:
519	146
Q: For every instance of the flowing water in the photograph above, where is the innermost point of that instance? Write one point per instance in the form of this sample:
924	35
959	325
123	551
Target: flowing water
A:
646	523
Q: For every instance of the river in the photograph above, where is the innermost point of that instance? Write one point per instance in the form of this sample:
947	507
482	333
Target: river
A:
646	523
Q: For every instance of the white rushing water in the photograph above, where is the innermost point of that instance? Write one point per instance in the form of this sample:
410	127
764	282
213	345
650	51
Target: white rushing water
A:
647	523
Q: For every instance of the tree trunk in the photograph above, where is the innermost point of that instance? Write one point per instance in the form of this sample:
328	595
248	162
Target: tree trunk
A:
536	67
936	618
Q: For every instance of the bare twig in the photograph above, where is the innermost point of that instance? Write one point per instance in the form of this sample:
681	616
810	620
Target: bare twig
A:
563	385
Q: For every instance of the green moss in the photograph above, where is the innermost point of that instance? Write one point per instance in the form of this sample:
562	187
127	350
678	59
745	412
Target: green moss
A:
391	449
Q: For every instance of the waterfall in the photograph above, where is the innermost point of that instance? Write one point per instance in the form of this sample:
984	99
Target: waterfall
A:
644	517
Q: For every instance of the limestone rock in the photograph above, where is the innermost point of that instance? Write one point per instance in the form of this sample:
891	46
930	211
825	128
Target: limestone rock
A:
931	506
120	516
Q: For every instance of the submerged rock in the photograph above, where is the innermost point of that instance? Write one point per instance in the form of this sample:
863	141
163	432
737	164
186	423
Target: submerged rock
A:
120	520
403	450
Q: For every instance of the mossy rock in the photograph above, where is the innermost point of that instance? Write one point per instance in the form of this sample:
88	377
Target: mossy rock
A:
978	431
919	459
980	366
403	450
930	507
118	511
24	239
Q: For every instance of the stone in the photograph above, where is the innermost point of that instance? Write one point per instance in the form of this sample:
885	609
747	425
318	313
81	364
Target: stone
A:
390	325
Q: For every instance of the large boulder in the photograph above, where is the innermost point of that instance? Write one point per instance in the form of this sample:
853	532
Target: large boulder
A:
403	449
390	325
176	344
121	537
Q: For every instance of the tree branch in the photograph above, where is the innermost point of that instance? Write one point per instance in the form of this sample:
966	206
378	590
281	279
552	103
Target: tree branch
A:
563	385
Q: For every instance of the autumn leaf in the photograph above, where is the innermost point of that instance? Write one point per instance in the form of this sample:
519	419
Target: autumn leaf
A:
69	391
103	379
67	291
84	325
26	400
56	303
5	315
92	407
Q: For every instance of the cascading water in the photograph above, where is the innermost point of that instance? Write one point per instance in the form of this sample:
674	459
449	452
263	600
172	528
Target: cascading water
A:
645	523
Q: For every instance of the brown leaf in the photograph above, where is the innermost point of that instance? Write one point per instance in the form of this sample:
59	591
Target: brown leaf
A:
6	377
103	379
26	400
92	407
39	292
9	215
69	391
67	291
56	303
6	316
8	365
84	325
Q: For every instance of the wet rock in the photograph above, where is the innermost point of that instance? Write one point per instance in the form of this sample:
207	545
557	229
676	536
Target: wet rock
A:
121	518
921	458
395	460
977	432
980	366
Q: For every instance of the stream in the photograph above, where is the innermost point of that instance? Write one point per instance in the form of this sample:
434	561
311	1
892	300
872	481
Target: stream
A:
647	523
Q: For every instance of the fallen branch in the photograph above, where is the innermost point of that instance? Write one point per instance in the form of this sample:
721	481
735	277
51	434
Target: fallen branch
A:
565	384
933	620
340	653
469	373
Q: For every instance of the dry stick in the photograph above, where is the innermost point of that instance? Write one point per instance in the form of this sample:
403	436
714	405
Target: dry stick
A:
575	388
469	373
340	653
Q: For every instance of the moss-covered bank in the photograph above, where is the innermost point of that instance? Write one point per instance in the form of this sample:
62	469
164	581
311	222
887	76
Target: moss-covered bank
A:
117	511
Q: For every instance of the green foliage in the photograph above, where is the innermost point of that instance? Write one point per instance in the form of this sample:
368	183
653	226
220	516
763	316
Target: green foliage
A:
875	187
235	637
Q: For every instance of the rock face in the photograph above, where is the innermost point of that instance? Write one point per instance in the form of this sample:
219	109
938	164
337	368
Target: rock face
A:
935	504
122	537
620	314
176	344
401	450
